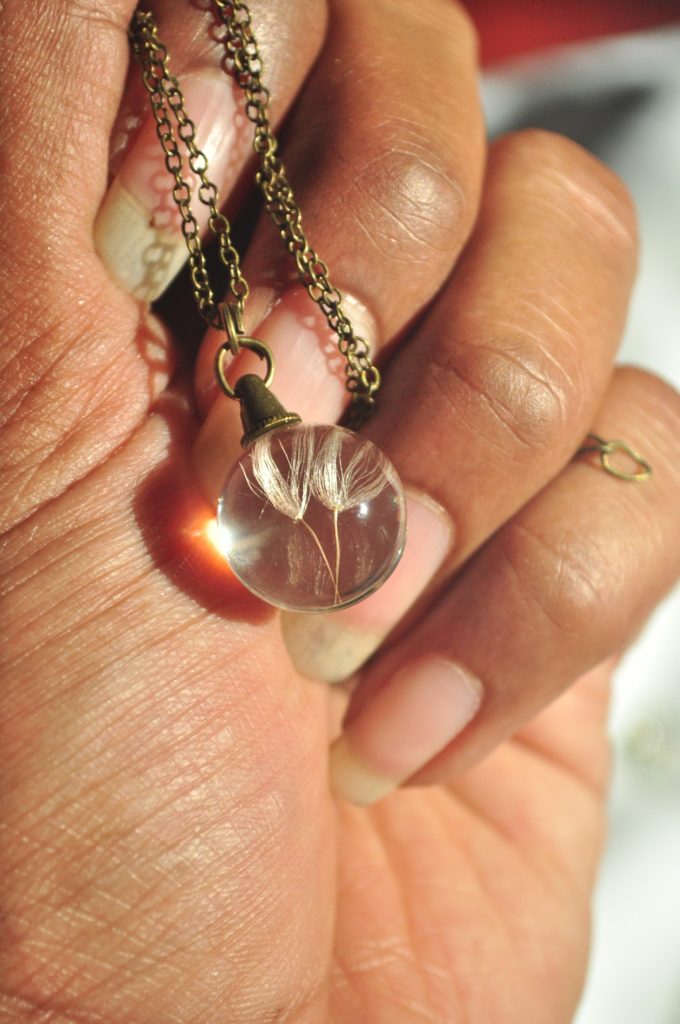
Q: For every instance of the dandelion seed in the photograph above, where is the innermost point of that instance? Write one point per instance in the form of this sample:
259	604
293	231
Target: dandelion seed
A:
289	493
341	487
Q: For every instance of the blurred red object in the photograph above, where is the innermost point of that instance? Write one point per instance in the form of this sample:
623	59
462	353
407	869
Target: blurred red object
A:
511	27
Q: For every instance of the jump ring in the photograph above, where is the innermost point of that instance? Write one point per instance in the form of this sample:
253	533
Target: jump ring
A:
605	449
259	347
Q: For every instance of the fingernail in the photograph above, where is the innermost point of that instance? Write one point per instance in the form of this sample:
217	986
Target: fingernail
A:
310	370
412	718
330	647
138	228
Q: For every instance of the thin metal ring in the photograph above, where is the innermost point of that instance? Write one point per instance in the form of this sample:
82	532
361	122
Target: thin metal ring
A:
259	347
605	449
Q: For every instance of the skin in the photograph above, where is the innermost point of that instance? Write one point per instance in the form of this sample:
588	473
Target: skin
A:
170	849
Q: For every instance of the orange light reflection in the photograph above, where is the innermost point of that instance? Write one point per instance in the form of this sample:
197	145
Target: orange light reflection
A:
217	538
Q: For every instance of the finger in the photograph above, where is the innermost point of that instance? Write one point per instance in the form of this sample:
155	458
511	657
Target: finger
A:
494	394
385	151
138	229
83	362
80	367
563	761
61	78
566	583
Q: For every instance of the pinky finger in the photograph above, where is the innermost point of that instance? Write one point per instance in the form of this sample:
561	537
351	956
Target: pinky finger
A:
561	587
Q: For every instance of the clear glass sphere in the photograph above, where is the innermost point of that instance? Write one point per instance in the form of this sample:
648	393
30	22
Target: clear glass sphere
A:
312	518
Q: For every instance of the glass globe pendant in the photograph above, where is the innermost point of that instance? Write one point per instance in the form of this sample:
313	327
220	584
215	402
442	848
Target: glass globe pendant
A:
312	517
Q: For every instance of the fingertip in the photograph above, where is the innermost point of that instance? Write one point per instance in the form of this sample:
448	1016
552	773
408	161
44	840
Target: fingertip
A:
332	646
417	713
137	231
352	780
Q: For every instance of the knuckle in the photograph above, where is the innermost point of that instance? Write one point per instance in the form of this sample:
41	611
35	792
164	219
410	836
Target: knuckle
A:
560	170
518	399
565	576
413	204
407	177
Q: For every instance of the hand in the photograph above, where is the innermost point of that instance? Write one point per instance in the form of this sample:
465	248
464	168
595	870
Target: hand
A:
170	850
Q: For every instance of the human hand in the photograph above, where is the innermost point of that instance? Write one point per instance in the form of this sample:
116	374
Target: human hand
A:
170	851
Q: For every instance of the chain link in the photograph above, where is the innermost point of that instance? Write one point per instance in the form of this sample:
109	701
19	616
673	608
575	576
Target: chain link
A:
244	61
166	99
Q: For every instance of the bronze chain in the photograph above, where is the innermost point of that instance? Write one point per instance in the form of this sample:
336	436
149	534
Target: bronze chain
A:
165	95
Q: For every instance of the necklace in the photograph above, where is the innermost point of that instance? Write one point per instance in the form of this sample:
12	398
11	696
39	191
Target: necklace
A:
312	518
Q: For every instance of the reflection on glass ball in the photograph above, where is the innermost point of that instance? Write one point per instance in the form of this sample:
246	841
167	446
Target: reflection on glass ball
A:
312	518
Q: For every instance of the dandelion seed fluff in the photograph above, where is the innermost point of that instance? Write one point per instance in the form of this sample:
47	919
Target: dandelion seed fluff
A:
316	515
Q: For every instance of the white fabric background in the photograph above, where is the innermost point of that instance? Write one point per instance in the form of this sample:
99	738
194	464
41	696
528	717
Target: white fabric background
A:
621	99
